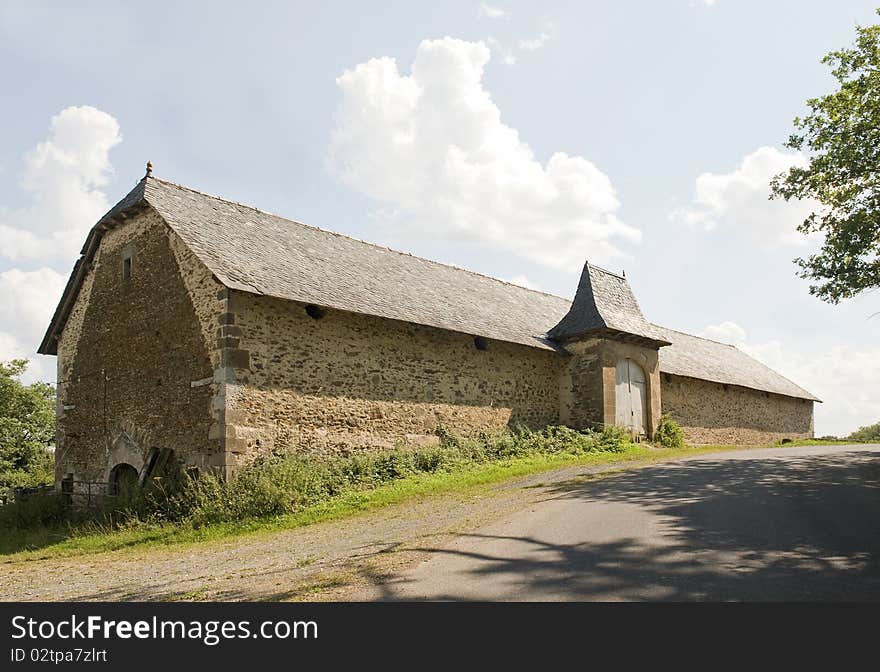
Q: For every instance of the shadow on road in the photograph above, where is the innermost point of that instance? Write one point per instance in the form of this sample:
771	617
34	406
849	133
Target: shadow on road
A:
798	528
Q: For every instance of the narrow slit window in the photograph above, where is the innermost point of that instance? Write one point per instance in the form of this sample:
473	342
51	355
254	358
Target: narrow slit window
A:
126	268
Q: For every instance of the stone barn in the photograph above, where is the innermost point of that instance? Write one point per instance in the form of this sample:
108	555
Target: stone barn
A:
210	331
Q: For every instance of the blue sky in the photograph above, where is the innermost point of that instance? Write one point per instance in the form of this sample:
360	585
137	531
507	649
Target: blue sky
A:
511	138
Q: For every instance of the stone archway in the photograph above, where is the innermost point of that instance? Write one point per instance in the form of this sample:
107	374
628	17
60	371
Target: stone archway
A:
123	479
124	450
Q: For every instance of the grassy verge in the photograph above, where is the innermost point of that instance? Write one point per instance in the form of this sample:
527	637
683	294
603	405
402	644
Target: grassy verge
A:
820	442
467	478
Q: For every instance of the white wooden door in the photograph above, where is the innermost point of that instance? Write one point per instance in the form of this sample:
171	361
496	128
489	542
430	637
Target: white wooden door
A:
631	393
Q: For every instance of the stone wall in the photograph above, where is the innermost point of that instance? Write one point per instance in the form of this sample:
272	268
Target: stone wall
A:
347	381
712	413
136	370
580	385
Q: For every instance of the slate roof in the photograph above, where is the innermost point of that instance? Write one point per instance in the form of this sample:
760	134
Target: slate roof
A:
261	253
605	301
702	358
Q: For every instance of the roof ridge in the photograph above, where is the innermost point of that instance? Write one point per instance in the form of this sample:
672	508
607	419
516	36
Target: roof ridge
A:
750	356
605	270
358	240
702	338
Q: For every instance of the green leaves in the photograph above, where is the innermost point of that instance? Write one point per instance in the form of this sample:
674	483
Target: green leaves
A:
27	429
868	433
841	135
669	433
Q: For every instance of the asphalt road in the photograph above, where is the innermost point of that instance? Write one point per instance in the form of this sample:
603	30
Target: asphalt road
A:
774	524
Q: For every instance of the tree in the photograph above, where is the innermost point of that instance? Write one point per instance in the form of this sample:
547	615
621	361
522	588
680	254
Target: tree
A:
867	433
841	135
27	429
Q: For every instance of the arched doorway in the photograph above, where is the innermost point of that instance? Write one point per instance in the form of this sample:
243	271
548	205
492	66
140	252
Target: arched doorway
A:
123	479
631	395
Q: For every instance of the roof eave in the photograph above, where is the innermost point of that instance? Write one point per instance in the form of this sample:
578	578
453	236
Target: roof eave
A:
806	396
134	201
615	335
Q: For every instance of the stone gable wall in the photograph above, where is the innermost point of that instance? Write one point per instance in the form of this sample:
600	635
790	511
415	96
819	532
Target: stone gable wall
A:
135	366
712	413
348	381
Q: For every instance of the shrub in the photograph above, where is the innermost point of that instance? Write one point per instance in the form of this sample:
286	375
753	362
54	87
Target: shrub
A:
36	510
868	433
668	433
289	482
613	438
27	430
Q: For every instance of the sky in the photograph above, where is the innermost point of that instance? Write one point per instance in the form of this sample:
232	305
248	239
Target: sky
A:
517	139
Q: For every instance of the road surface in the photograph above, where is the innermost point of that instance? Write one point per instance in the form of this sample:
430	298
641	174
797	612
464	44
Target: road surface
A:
775	524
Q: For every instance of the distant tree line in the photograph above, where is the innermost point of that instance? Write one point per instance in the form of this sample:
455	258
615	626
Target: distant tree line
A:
869	433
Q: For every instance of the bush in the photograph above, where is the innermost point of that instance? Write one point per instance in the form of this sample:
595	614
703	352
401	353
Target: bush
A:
36	510
27	430
668	433
868	433
286	483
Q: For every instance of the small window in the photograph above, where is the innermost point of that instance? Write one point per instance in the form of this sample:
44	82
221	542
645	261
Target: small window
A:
481	343
314	312
126	268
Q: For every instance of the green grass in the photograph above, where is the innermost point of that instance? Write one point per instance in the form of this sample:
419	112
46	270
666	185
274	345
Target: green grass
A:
819	442
28	545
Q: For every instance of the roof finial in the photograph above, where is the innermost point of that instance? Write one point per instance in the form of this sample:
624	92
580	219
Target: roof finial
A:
624	272
149	168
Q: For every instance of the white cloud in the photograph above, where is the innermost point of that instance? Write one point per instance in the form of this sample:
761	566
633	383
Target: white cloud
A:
431	147
491	12
29	299
61	177
844	377
506	54
726	332
534	43
740	200
523	281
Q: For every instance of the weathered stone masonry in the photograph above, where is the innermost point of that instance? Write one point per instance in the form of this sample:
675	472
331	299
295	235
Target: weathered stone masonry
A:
345	380
720	414
587	384
130	353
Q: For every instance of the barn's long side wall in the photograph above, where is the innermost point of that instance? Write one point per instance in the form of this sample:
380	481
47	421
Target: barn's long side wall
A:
712	413
348	381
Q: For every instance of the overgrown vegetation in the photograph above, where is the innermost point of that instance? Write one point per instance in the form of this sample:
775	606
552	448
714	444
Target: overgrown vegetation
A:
27	430
868	433
284	484
669	433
